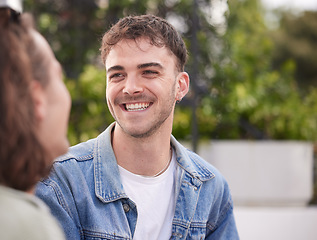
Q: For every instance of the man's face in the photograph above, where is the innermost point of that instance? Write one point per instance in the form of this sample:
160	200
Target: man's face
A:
142	86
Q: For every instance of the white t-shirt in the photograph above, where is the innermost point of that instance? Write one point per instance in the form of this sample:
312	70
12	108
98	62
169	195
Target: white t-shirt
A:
155	201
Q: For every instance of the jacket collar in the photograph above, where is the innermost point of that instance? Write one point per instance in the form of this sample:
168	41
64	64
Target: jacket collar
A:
108	186
191	162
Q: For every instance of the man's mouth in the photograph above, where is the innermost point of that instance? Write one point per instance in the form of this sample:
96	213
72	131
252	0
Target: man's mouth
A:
136	106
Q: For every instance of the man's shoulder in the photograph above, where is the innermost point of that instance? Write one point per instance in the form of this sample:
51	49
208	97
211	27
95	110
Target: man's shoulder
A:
69	171
86	150
80	152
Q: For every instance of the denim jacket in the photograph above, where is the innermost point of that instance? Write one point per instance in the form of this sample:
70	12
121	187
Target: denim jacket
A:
85	193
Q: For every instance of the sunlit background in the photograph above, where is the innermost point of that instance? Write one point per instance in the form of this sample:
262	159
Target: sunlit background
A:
253	69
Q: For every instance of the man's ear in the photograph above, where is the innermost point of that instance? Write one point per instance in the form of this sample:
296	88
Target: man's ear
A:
182	85
39	99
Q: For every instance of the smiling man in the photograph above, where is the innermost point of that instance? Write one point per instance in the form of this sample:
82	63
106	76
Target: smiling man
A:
135	180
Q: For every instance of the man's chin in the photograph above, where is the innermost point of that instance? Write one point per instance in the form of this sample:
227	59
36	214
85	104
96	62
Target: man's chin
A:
139	134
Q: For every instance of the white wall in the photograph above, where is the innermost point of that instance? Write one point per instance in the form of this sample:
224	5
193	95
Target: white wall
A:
264	173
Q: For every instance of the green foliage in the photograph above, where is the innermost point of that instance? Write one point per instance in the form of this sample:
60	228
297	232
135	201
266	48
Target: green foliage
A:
296	39
253	100
88	116
181	123
246	89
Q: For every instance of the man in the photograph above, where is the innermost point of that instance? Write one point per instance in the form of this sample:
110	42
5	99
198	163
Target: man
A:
135	181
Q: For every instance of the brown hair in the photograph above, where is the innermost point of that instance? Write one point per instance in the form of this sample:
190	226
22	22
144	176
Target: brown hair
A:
157	30
23	159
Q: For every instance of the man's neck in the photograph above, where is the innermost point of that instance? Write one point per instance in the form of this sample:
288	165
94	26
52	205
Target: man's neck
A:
142	156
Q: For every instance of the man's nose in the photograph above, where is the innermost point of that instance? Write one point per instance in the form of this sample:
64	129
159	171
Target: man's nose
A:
132	86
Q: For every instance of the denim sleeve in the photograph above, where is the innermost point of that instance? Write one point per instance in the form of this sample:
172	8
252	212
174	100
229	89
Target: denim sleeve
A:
51	194
224	228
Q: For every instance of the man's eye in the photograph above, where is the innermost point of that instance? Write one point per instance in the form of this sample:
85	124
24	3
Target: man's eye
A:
150	73
116	76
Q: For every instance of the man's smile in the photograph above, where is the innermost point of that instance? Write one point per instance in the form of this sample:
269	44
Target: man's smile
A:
136	106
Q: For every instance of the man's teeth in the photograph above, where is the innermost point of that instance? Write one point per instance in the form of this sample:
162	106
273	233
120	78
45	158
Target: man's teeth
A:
137	106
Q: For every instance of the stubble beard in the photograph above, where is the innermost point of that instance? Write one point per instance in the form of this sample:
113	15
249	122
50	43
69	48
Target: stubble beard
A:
156	124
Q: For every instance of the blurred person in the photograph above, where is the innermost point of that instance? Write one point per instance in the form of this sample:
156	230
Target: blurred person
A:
34	106
135	180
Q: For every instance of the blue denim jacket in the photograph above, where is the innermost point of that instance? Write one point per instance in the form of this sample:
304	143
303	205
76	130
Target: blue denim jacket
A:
85	193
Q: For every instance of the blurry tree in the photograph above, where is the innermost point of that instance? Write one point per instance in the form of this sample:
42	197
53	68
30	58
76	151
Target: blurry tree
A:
296	39
240	94
74	29
249	99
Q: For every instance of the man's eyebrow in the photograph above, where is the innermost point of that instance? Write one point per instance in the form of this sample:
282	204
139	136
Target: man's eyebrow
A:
115	68
151	64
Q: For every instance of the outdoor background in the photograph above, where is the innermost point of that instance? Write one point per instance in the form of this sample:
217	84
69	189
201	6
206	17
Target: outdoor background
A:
253	69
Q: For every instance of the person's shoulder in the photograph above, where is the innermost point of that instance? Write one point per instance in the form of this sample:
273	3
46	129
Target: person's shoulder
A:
20	203
86	150
24	216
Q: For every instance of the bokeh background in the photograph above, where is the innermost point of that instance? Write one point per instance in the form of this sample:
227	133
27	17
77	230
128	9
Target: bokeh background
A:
253	70
252	63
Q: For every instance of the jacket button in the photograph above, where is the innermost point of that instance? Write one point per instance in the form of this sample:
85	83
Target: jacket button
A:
126	207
